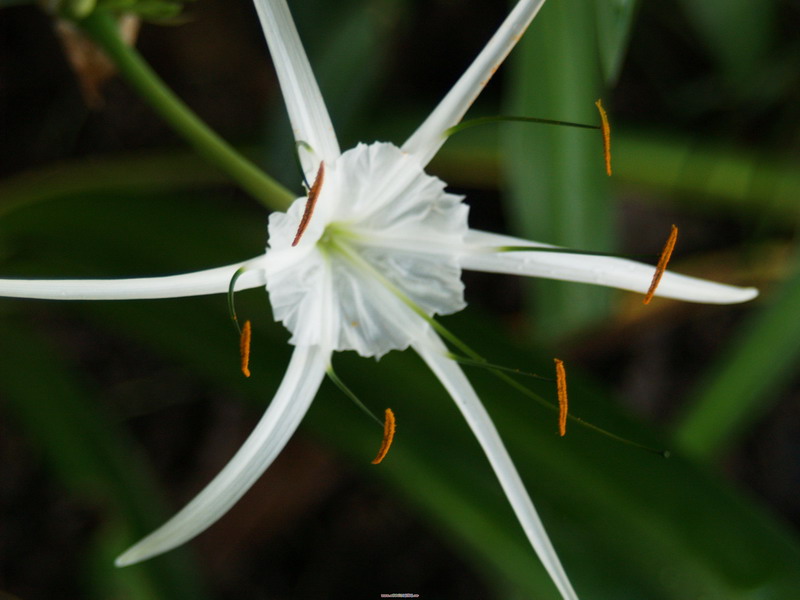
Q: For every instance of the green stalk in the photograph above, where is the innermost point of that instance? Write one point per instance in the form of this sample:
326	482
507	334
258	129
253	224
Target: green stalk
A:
100	26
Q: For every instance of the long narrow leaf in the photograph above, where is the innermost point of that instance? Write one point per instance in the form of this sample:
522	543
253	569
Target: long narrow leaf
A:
744	383
93	458
557	183
614	22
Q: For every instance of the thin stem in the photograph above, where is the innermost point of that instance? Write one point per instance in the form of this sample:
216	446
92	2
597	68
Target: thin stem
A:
507	118
101	27
350	394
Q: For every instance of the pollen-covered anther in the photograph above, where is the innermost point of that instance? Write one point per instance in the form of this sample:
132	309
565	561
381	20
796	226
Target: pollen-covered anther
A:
563	405
661	267
311	202
605	127
388	436
244	347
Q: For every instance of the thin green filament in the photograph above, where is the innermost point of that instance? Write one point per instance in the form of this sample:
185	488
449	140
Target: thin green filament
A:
500	118
463	360
350	394
231	304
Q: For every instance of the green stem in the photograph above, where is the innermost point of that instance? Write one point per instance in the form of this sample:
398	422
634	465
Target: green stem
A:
510	118
101	27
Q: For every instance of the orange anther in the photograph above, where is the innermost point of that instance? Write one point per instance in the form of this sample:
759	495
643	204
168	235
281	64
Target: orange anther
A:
244	348
605	127
662	264
563	406
388	436
311	202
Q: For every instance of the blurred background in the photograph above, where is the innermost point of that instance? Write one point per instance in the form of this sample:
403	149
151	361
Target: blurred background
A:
112	415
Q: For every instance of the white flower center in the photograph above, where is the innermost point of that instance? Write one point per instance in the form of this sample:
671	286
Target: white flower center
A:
383	232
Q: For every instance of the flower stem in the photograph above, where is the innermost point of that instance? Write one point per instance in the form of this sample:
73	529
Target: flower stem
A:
100	26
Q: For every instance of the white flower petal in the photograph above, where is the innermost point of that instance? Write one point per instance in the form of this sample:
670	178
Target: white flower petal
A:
453	379
429	137
298	388
199	283
330	300
307	113
375	214
599	270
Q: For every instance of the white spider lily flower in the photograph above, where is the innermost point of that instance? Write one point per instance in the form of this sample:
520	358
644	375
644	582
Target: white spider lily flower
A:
385	246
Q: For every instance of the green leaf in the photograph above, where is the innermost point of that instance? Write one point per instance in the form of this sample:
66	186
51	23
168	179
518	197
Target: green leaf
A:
738	34
744	383
614	22
93	457
559	191
708	174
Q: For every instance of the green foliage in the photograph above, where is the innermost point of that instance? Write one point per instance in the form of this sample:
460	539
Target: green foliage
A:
151	10
614	19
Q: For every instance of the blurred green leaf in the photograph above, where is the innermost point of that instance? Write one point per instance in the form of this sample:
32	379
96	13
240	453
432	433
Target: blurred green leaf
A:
91	455
154	171
704	174
744	383
156	10
614	23
696	173
738	33
709	174
556	179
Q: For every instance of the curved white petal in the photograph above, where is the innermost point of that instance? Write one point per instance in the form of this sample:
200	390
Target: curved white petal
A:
199	283
298	388
599	270
429	137
307	113
453	379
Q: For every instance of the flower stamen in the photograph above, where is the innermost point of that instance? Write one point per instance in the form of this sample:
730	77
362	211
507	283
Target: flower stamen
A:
311	202
563	405
244	347
666	253
388	436
605	127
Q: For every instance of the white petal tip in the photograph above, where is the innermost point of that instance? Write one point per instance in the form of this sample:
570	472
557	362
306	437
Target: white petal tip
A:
126	559
722	294
746	294
143	550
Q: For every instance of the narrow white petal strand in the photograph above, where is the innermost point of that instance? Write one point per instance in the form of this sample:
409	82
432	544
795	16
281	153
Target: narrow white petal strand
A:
429	137
599	270
307	113
297	390
449	373
200	283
